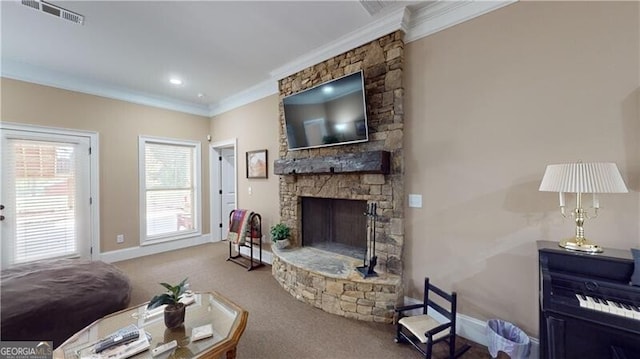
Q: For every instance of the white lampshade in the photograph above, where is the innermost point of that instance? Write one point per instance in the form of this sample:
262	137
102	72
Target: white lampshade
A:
603	177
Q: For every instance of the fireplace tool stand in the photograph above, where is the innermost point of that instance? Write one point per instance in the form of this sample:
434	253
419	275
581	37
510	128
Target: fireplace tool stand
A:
367	270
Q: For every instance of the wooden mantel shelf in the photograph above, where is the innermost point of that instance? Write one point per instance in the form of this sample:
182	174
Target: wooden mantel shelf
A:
364	162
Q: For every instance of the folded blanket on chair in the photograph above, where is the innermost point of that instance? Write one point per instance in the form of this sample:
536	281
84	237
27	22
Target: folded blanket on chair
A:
238	222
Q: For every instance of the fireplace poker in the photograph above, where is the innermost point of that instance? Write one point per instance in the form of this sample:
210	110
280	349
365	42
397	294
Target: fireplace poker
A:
367	270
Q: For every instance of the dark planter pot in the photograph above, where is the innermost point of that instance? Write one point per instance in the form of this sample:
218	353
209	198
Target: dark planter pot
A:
174	315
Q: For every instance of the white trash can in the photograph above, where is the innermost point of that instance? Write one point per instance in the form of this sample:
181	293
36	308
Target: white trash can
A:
506	337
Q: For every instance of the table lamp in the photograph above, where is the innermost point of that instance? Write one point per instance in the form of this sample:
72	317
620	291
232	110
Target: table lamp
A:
582	178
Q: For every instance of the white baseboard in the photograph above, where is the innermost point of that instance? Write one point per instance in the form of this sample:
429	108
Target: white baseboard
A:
141	251
267	257
471	328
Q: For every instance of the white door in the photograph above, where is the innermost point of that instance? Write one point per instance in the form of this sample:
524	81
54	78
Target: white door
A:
228	186
45	195
223	186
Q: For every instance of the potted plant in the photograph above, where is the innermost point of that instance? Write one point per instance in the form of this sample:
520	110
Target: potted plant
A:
174	311
280	235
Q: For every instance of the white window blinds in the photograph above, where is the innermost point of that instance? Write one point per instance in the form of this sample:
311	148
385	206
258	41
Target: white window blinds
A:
170	184
44	176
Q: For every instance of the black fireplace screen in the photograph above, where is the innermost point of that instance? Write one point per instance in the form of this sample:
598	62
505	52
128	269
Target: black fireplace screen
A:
336	225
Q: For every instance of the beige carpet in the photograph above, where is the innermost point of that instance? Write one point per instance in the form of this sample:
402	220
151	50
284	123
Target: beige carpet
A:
279	326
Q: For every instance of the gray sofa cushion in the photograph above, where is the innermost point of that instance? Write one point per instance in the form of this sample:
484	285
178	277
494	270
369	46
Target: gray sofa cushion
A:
52	300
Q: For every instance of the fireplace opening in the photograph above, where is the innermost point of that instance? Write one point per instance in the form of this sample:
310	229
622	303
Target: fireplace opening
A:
335	225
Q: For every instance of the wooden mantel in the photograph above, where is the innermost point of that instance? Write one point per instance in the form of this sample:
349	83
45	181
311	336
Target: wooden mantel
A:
364	162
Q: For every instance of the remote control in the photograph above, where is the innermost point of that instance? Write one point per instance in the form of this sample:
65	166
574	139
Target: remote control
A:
164	347
201	332
188	299
117	340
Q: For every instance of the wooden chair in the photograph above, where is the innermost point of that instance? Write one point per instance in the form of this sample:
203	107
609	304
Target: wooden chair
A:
423	331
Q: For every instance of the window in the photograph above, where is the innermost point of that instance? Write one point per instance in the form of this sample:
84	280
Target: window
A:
169	189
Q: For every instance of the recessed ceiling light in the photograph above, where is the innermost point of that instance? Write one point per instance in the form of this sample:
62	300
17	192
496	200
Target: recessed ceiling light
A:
176	81
201	95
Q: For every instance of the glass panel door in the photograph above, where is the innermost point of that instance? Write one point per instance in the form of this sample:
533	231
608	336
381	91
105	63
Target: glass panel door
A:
46	198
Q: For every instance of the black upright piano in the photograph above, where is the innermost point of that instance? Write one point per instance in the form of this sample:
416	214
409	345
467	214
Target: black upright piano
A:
588	308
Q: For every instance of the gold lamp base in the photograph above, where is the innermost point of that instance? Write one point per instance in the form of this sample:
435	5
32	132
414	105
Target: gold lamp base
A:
581	245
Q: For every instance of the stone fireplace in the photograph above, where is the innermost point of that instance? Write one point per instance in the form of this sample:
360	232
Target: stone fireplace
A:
314	270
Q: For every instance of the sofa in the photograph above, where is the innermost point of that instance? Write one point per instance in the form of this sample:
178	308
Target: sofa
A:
52	300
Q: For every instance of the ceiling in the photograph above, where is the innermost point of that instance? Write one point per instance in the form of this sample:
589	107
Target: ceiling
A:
226	53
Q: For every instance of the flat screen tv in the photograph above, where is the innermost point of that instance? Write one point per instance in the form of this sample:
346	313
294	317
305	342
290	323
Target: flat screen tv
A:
332	113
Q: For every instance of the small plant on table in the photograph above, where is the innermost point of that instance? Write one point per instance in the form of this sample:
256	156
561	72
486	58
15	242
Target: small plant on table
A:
175	310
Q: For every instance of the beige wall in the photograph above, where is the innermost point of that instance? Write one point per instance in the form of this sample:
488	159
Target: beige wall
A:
255	126
118	124
489	104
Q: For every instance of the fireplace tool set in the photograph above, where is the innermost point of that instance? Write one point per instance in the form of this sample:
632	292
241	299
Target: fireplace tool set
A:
367	270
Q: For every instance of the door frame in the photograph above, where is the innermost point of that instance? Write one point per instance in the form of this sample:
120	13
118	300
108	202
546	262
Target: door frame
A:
94	190
215	183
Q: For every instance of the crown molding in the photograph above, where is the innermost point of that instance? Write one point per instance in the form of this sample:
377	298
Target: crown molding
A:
395	20
405	22
34	74
417	23
387	24
440	15
422	21
254	93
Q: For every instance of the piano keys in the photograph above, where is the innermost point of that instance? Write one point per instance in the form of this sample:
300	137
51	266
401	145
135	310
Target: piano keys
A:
629	310
588	309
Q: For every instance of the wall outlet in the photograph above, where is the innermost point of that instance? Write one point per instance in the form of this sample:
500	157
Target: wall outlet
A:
120	238
250	191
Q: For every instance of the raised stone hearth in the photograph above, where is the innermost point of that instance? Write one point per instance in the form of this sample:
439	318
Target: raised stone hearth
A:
331	282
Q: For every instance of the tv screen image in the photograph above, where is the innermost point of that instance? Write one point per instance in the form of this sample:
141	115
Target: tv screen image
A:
332	113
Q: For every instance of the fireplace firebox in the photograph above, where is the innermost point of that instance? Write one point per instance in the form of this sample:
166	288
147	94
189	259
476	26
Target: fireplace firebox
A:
335	225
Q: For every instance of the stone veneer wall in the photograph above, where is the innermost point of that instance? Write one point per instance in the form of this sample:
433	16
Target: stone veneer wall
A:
382	62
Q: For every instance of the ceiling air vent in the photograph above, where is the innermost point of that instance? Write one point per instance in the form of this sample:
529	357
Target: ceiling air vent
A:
54	10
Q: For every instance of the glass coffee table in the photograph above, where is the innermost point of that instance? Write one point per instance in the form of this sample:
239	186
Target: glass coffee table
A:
227	319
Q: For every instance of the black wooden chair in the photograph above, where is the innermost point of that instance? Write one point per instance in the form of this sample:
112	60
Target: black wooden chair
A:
423	331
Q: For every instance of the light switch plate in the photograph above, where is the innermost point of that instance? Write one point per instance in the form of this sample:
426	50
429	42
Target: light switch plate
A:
415	200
